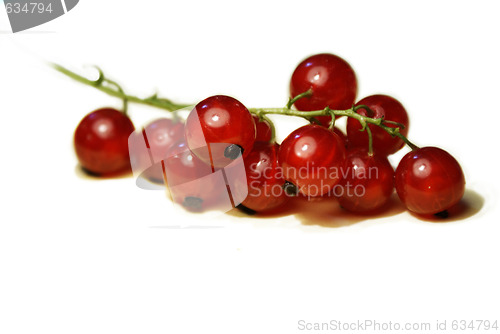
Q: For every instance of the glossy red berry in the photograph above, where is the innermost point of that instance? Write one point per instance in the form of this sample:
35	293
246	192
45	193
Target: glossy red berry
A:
342	136
264	178
386	107
219	129
331	80
429	180
149	147
188	178
311	157
161	134
367	181
263	129
101	142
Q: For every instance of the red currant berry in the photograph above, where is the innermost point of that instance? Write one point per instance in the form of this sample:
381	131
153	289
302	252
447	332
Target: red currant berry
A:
264	178
161	134
367	181
429	180
342	136
263	129
189	178
331	80
311	157
219	129
386	107
101	142
158	136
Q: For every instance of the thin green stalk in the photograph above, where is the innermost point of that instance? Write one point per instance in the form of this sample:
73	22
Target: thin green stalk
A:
120	89
370	141
363	120
332	122
112	88
314	120
290	103
153	101
271	125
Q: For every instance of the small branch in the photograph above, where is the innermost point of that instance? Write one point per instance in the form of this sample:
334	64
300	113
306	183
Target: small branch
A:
314	120
153	101
363	120
271	125
291	101
112	88
370	141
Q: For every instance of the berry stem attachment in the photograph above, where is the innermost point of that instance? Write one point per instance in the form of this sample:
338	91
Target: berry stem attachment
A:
291	101
314	120
370	141
119	88
271	125
290	189
332	122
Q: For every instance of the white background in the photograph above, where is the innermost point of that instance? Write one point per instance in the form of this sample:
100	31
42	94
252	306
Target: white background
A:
87	256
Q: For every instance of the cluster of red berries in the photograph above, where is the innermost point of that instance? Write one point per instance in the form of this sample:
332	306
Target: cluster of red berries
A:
315	160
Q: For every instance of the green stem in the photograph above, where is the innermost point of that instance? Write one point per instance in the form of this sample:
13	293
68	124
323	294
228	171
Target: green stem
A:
314	120
120	90
112	88
370	141
271	125
153	101
332	122
298	97
263	117
363	120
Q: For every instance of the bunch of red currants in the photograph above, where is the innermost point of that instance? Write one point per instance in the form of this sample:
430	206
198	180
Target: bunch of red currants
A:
316	160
